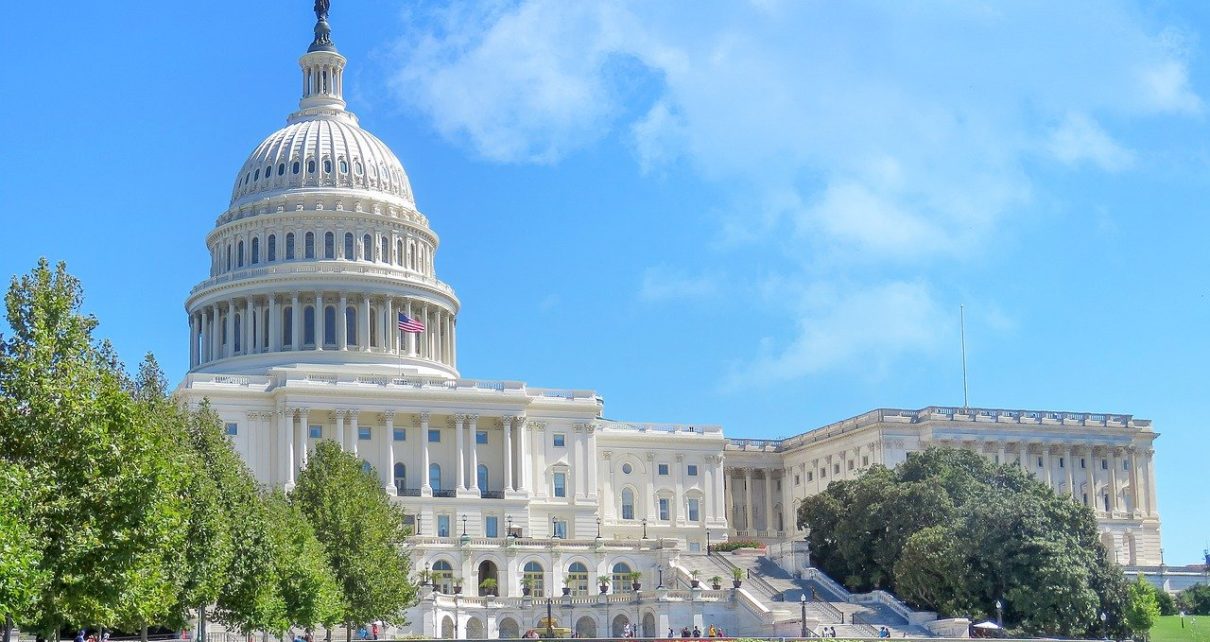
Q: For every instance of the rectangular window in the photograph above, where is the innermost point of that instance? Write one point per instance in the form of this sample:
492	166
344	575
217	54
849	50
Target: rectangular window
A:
1104	464
695	547
434	436
850	464
692	470
835	469
560	440
480	437
797	480
1062	464
232	429
443	526
662	468
560	528
1106	498
1039	462
316	432
778	485
810	475
823	472
401	434
1083	464
560	485
363	433
1085	499
694	510
664	511
491	526
865	460
1125	464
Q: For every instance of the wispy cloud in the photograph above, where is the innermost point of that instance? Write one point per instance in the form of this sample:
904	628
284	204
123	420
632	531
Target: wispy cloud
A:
664	284
1079	139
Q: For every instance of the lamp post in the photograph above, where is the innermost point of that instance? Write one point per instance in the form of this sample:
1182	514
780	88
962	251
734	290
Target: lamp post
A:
550	622
554	527
644	528
999	614
802	601
598	528
1104	630
464	525
660	569
509	519
707	541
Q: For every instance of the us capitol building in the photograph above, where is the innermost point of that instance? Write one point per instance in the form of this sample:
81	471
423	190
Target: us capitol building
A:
294	339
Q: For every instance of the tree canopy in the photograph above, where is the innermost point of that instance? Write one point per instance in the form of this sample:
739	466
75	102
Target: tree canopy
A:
949	531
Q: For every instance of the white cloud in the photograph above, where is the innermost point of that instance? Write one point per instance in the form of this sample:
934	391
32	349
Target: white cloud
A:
842	326
1080	139
663	284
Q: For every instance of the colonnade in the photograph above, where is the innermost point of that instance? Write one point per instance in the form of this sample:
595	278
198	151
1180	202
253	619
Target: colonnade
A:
380	244
258	324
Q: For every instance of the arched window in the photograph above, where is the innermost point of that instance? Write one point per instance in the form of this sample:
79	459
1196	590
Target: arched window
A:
309	245
228	257
577	578
481	477
329	326
443	576
373	328
309	325
239	327
311	166
281	169
295	168
290	246
255	250
367	248
268	171
287	326
357	167
435	476
621	578
349	246
256	175
399	252
329	245
351	324
534	577
401	477
239	255
627	503
271	248
344	166
384	250
327	165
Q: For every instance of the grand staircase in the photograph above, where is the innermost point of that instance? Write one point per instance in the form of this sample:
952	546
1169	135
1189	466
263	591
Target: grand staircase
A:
828	603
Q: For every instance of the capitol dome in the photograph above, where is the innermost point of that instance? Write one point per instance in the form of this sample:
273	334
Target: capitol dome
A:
323	153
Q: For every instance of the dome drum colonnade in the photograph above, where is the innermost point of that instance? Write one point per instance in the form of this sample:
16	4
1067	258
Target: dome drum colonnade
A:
293	271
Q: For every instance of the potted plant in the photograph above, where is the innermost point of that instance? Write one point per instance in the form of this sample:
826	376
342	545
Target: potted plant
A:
716	583
694	582
457	585
634	577
603	580
487	587
737	576
567	584
527	585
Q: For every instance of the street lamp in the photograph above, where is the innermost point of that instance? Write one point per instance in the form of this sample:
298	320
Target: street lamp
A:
707	541
464	525
644	528
509	518
598	528
550	622
660	569
802	601
999	614
554	527
1104	630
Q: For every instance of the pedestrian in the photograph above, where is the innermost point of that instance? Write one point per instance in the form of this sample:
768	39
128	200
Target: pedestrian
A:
374	631
697	633
671	634
80	635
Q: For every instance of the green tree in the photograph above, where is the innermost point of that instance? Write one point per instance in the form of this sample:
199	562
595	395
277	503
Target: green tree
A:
362	534
107	507
1166	602
1195	600
310	593
20	551
1142	608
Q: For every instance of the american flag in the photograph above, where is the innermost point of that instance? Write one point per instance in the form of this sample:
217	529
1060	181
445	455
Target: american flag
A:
408	324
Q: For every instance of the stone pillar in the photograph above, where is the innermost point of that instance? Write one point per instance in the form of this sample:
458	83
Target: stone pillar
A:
364	321
460	448
387	466
1113	481
718	489
1048	464
508	453
729	498
300	439
287	435
1090	475
1023	458
229	345
1000	453
193	340
1070	454
353	435
769	501
342	324
523	464
425	488
320	330
472	430
248	338
296	315
1136	497
274	326
678	495
340	430
392	335
590	448
748	526
576	479
707	504
1150	481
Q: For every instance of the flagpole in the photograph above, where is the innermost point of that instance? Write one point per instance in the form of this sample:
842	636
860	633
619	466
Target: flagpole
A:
962	334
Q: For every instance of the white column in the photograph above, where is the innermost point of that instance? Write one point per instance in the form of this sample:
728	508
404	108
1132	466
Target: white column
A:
353	437
578	469
425	488
320	330
769	500
523	463
1113	482
459	420
295	321
1149	479
708	494
508	453
678	495
392	335
384	330
342	324
247	341
748	501
610	513
274	326
729	499
364	339
1070	454
387	467
1090	479
407	337
287	434
341	437
590	443
192	340
229	347
719	494
304	419
1047	463
473	430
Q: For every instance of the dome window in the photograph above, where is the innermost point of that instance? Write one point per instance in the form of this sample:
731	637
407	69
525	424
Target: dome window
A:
348	246
329	246
268	171
327	166
311	166
281	169
256	175
344	166
357	167
296	166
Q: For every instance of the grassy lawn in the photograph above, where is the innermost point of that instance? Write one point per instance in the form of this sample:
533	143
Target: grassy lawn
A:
1168	629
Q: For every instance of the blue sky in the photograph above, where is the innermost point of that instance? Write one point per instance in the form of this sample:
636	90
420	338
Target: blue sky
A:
762	214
